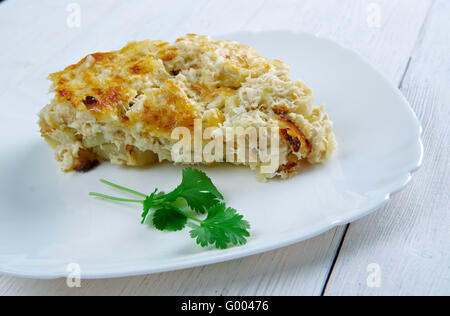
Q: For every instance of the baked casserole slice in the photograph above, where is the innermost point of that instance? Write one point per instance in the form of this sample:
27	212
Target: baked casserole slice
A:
122	106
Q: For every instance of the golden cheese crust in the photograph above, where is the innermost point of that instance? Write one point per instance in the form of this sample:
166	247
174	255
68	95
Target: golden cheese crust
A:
106	84
122	106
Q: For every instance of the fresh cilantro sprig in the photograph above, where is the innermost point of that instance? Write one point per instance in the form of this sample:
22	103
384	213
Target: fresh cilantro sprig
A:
196	194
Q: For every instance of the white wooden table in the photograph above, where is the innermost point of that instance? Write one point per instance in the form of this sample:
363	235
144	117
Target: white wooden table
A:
401	249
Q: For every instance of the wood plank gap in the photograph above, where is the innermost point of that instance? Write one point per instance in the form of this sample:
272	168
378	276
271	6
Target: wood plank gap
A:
422	31
420	36
418	41
341	243
400	86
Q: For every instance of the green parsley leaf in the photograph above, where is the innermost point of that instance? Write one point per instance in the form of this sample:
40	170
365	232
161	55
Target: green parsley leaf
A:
222	226
197	189
147	205
169	219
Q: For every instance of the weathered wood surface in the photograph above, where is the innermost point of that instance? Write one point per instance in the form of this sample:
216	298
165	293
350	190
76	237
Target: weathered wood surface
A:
408	238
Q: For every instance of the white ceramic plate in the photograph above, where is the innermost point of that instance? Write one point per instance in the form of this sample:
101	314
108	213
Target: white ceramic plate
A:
47	219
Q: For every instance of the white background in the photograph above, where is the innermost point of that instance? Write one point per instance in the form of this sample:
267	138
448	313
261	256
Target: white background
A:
402	249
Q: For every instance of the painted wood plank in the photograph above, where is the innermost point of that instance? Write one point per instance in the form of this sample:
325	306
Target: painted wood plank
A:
296	270
409	238
287	271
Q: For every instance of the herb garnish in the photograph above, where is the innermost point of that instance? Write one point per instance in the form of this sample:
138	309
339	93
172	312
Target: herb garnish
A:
196	194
